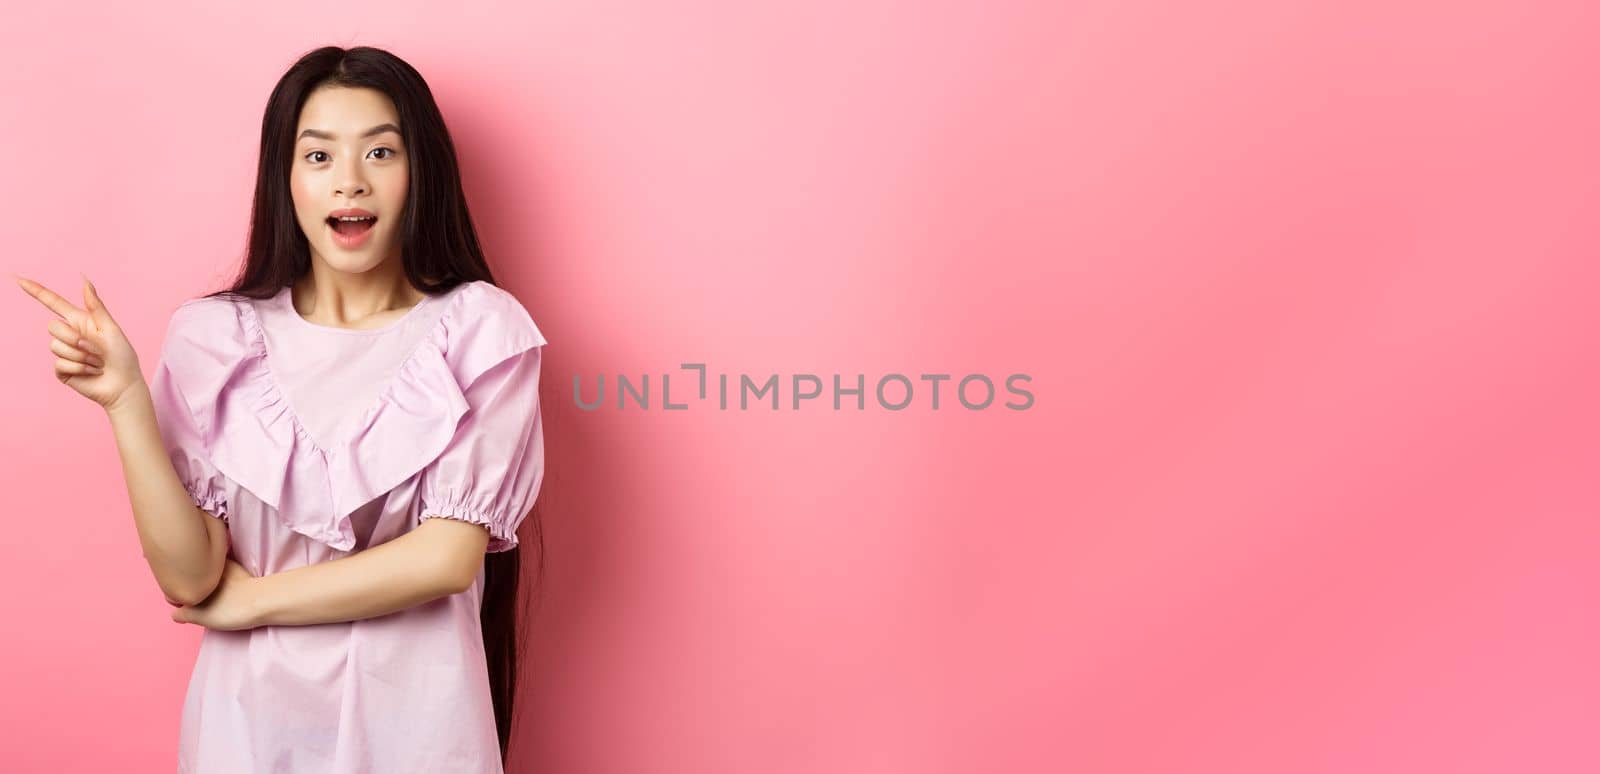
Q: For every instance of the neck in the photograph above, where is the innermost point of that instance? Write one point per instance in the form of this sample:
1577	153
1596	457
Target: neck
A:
340	298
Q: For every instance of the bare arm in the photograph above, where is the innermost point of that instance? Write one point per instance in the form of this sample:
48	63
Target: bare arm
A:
184	546
438	558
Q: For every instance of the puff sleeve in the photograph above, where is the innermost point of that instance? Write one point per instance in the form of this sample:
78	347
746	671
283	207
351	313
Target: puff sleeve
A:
490	472
185	441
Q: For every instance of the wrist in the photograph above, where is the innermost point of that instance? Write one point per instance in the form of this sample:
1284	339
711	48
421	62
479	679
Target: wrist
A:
133	400
258	603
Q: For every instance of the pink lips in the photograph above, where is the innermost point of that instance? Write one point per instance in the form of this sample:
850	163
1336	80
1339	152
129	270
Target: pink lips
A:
354	239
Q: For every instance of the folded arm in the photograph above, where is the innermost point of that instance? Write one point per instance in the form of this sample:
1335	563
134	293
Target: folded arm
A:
184	546
438	558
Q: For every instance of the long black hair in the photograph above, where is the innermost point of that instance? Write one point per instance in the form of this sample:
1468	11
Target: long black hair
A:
439	251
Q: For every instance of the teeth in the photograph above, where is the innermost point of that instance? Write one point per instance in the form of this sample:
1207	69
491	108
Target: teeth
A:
356	217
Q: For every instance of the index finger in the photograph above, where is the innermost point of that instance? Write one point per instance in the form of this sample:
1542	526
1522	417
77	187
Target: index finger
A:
51	299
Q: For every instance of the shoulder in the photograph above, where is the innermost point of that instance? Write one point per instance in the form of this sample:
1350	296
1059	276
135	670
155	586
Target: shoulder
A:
206	307
482	313
209	323
484	325
209	345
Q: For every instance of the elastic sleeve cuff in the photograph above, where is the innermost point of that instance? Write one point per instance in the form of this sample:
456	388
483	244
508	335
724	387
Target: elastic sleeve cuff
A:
500	537
208	497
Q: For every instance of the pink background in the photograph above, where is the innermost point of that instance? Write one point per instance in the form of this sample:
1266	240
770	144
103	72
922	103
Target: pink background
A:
1307	293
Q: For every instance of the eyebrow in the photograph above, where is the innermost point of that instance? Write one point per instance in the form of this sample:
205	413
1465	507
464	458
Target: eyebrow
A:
379	129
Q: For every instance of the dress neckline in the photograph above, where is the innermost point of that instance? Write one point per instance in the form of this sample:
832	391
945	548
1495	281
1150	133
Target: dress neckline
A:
426	344
255	439
286	300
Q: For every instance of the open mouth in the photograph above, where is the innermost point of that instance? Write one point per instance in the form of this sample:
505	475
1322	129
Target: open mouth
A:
352	226
350	231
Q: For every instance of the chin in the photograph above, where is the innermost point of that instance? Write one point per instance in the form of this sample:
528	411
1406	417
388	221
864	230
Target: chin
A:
352	261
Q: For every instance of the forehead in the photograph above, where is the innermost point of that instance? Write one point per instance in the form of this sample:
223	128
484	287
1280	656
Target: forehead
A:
346	111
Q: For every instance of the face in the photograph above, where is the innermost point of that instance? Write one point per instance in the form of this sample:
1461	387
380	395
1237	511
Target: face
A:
348	155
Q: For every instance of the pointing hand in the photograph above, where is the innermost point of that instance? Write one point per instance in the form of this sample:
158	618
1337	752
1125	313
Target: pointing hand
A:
92	355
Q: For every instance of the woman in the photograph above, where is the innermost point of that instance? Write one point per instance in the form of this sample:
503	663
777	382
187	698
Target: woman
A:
329	449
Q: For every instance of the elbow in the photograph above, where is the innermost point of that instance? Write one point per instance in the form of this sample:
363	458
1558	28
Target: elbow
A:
183	590
195	591
452	550
185	600
190	579
189	594
457	580
457	576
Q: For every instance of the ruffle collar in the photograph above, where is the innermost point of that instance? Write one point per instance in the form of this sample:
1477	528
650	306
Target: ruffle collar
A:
257	441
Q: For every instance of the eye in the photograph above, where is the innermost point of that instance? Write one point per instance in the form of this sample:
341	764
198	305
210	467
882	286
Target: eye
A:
311	157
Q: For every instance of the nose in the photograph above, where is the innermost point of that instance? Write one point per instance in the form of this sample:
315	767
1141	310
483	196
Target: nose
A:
350	180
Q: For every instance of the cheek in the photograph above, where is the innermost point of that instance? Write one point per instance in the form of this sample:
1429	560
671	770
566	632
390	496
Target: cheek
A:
300	194
395	191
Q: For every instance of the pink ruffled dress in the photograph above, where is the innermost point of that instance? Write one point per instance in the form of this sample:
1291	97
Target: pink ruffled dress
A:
313	442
